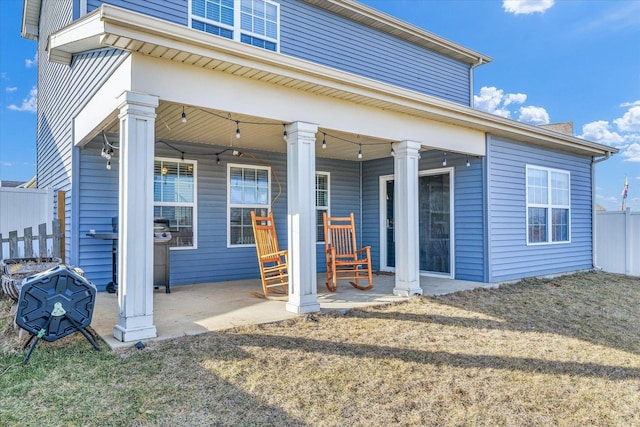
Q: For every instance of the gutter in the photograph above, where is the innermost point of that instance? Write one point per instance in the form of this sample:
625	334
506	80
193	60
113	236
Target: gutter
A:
471	88
594	161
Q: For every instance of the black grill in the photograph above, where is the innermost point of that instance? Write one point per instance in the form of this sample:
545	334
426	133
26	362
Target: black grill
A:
54	304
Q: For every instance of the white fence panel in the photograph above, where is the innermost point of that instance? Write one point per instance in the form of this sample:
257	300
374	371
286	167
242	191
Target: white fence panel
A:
618	242
24	207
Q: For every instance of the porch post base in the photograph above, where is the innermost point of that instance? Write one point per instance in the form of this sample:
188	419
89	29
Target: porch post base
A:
407	289
303	307
134	334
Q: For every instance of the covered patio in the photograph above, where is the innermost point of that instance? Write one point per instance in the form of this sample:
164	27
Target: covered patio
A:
206	307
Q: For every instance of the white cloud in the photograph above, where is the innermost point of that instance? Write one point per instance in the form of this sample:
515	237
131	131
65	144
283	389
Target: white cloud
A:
599	131
534	115
526	7
8	164
630	104
493	100
31	62
630	121
28	104
632	153
11	89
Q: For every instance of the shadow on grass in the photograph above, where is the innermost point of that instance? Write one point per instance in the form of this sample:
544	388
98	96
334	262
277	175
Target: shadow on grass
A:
595	307
438	358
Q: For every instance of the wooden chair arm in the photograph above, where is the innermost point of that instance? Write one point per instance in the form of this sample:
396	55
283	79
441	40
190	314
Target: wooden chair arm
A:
275	254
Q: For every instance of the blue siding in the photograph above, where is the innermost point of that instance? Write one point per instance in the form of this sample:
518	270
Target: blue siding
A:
468	210
62	92
212	261
314	34
510	257
170	10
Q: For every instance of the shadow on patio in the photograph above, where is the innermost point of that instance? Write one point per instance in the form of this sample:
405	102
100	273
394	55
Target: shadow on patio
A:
195	309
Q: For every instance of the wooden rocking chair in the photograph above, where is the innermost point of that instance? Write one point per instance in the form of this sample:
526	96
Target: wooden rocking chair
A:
274	263
344	259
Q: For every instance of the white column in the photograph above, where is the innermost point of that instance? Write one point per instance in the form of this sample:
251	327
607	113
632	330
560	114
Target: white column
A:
135	229
406	219
301	205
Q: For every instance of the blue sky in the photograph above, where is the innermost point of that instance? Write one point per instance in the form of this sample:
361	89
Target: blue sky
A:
553	61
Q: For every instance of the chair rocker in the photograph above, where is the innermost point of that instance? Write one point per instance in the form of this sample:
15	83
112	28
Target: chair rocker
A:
274	263
344	260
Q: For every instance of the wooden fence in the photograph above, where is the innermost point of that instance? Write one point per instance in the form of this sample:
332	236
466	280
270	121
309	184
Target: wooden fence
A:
28	239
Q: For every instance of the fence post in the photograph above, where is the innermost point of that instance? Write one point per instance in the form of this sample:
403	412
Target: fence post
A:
56	239
627	241
28	242
13	244
42	239
61	218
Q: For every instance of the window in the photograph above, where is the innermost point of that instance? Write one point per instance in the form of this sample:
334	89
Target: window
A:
174	198
254	22
322	202
548	205
249	189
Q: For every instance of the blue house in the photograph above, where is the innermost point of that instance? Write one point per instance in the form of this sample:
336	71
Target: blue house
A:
199	111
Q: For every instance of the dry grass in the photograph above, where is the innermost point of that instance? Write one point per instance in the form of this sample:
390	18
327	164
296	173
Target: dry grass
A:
541	352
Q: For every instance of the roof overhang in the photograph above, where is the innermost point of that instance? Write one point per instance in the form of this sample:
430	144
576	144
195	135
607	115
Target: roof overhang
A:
30	19
114	27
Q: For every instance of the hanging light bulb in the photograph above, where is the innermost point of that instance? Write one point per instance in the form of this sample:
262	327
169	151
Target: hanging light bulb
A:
237	129
393	152
360	152
324	141
444	159
108	165
217	159
468	162
184	115
285	135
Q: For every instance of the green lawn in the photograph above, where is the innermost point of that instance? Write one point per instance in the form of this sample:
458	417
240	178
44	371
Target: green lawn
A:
563	351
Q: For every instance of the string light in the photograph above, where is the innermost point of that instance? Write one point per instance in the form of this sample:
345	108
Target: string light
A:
285	135
393	152
468	162
218	159
324	141
108	165
184	115
237	129
360	152
444	159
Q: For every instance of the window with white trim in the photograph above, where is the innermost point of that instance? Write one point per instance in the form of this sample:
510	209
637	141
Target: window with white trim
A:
174	199
249	188
548	205
254	22
322	203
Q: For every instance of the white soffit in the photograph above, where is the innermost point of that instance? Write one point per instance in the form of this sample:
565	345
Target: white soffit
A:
111	26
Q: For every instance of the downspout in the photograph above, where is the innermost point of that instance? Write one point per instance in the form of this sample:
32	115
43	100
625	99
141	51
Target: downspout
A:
593	208
473	66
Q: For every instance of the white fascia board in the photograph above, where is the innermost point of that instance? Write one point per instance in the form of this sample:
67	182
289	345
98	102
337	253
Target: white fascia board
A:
187	85
83	35
102	107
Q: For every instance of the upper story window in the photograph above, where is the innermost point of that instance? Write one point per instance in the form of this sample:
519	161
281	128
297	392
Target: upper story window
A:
174	198
548	205
249	188
254	22
322	202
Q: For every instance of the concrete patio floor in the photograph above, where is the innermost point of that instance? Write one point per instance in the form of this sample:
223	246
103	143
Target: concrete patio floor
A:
205	307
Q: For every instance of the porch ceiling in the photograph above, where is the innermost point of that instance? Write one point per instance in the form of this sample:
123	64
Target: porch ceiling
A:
115	27
218	128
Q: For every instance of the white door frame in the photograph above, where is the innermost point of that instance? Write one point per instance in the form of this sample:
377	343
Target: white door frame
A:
383	216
